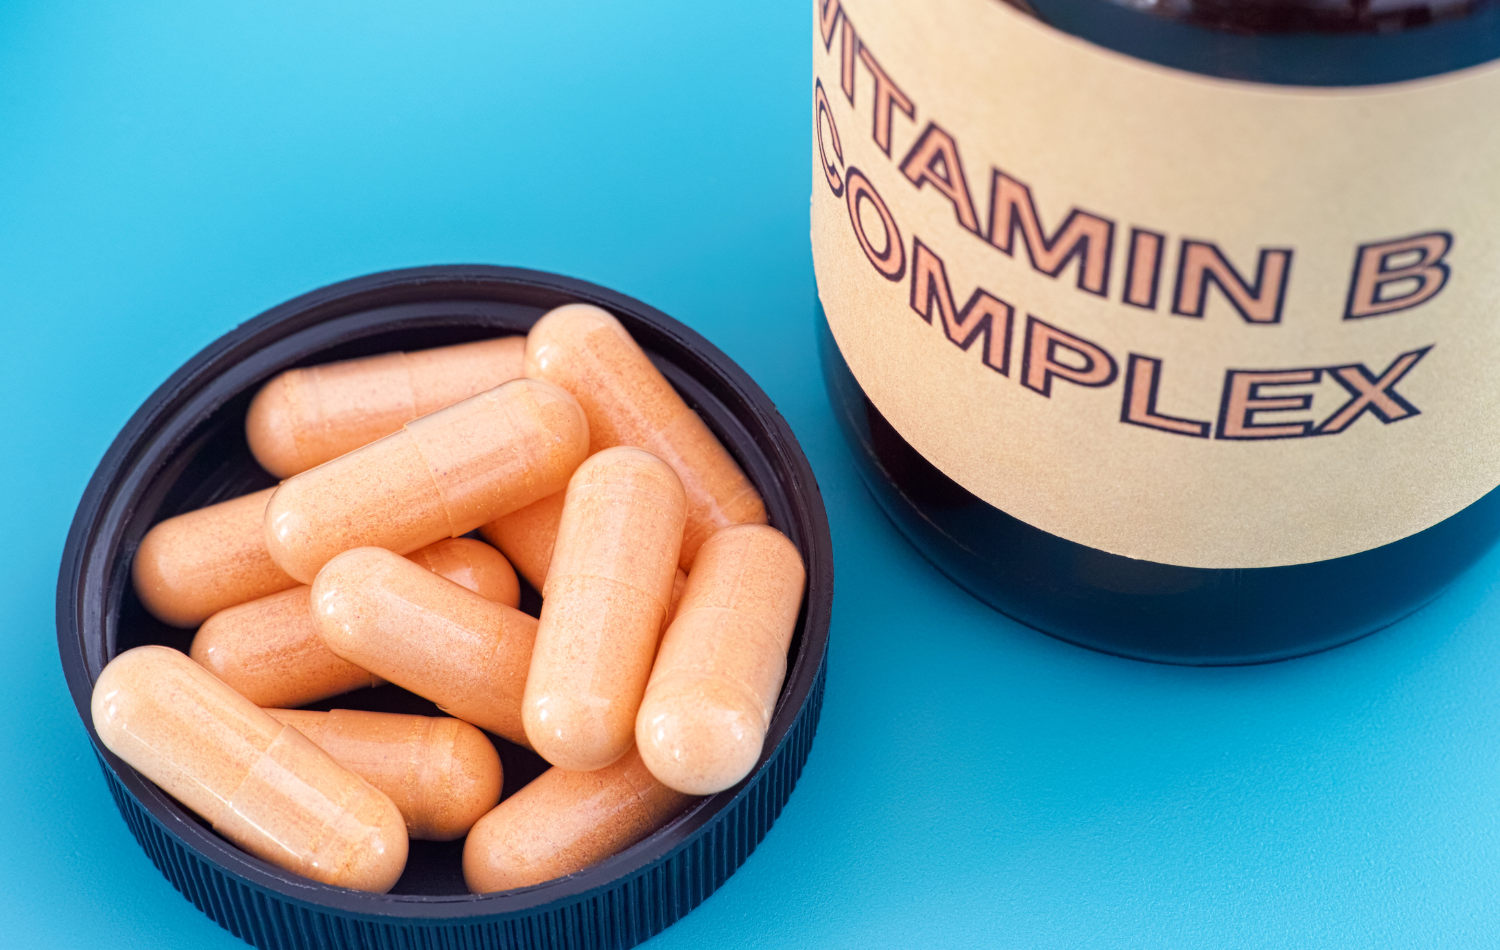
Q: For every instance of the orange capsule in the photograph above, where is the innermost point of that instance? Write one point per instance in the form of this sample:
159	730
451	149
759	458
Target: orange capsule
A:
607	593
191	566
565	821
270	652
714	685
586	351
257	782
305	417
442	774
427	634
679	584
441	476
526	537
472	564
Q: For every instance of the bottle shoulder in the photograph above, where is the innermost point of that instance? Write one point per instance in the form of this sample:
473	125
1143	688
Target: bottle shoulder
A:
1288	42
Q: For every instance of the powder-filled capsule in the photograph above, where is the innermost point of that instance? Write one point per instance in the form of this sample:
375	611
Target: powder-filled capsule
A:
586	351
472	564
565	821
443	774
679	585
270	652
195	564
305	417
427	634
527	537
714	685
441	476
607	593
259	783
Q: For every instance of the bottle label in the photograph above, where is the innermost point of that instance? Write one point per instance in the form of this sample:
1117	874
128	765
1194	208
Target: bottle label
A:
1196	321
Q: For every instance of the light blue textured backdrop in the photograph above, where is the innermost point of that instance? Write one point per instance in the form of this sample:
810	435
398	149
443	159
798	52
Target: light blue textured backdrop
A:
168	170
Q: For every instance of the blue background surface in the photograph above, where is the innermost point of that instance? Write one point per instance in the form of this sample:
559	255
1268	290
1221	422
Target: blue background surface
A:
168	170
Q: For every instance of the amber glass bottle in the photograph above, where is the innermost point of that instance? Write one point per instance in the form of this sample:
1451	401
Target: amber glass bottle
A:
1167	328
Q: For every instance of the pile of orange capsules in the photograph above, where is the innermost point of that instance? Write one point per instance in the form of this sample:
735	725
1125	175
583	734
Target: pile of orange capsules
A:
668	606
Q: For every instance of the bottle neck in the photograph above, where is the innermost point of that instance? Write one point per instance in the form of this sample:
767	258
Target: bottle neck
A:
1288	42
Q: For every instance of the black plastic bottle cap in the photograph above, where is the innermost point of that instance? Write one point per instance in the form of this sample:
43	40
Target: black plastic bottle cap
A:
185	448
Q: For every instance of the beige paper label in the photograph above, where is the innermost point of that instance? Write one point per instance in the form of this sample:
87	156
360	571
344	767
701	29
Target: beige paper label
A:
1200	322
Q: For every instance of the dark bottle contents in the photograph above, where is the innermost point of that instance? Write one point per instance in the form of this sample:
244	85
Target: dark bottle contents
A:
1157	611
1140	608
